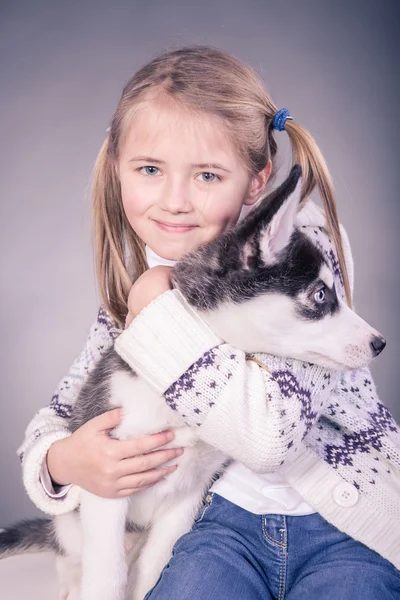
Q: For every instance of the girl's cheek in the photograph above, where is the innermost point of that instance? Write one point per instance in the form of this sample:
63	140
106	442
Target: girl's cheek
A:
134	198
226	212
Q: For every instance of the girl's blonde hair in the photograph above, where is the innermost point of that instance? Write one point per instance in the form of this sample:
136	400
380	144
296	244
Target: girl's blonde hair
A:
212	81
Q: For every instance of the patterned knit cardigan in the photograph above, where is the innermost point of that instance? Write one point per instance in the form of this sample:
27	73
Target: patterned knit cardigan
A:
326	431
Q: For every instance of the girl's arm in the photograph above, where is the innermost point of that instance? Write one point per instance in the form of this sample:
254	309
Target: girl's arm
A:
256	414
50	423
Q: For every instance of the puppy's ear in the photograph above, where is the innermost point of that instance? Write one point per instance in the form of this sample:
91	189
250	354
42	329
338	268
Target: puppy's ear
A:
266	230
276	236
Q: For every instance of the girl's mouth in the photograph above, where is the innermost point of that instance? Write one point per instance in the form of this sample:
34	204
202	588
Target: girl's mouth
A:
175	228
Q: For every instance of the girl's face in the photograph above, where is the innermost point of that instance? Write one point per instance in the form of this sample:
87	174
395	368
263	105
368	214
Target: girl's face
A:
181	181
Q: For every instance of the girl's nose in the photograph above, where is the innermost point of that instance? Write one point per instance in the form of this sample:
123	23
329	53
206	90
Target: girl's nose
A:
175	198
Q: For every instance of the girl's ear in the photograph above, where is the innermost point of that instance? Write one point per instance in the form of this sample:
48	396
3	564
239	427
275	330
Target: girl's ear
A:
257	185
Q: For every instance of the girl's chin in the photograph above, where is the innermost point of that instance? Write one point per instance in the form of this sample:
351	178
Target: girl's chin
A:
172	247
171	251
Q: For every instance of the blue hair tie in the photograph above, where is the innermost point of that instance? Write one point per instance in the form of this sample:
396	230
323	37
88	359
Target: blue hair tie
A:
280	119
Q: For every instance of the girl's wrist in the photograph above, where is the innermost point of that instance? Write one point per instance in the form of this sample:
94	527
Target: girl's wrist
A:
56	462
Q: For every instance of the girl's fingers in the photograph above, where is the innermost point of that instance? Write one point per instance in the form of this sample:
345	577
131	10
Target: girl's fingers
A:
146	462
147	443
107	420
140	481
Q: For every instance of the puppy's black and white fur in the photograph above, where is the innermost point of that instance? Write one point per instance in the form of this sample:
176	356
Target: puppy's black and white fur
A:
263	287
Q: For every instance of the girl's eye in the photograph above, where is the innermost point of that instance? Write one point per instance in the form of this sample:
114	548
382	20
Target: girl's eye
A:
209	177
149	170
320	296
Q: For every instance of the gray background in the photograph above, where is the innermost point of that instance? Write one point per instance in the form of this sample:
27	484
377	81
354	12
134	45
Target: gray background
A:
63	65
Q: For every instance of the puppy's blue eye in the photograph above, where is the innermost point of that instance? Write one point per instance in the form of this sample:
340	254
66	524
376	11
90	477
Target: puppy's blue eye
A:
320	296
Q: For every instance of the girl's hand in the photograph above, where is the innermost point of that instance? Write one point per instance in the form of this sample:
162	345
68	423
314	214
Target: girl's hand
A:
107	467
146	288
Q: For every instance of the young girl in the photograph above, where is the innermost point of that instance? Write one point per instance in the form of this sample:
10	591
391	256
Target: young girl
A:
307	509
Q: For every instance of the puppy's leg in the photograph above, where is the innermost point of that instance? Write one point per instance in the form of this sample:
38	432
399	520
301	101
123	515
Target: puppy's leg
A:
133	546
69	578
69	537
164	532
104	568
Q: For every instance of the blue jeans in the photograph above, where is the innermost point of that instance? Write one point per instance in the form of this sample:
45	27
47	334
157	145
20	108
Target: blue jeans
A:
232	554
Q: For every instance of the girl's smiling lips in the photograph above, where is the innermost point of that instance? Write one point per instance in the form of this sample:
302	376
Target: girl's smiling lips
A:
174	227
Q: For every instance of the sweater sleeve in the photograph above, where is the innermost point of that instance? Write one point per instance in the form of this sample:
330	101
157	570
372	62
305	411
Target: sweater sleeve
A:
51	422
255	408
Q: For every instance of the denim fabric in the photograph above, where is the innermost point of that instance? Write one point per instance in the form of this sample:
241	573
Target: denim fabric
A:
233	554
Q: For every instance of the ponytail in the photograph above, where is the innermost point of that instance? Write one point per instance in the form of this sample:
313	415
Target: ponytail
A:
315	173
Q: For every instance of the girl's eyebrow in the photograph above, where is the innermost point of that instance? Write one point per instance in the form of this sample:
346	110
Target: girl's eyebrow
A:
152	160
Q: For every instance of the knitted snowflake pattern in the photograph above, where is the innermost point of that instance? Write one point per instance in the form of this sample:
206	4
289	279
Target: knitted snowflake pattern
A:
351	426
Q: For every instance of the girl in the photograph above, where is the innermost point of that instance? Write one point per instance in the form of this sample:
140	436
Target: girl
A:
307	509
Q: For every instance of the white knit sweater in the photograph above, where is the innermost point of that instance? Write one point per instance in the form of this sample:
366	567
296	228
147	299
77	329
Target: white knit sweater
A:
326	432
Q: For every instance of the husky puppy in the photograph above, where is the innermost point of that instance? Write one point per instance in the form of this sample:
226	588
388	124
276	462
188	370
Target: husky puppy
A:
263	286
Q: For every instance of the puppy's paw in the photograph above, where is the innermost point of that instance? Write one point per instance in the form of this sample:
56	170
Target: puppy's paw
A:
184	437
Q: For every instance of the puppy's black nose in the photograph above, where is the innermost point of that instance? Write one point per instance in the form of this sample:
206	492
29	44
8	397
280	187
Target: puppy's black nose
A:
377	344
